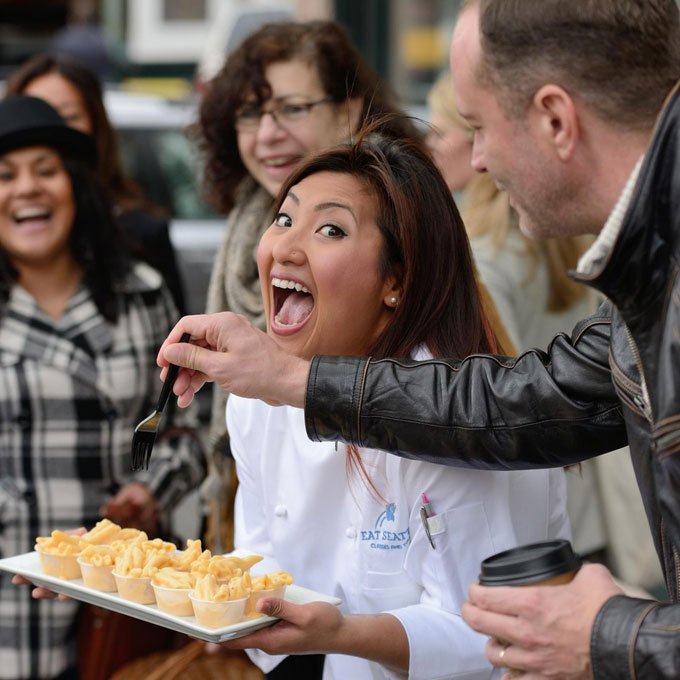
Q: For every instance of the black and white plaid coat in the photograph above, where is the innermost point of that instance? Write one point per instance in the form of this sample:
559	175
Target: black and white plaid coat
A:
71	393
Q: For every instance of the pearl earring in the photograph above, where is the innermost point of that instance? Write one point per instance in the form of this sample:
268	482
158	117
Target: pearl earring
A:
394	300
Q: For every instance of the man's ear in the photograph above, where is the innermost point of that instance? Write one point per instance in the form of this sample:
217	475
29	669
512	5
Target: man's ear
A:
554	112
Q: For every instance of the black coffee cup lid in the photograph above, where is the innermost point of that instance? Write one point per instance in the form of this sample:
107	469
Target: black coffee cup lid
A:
529	564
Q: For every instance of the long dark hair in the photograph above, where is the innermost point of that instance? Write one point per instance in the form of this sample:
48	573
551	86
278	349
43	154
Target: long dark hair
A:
325	46
95	239
124	192
426	245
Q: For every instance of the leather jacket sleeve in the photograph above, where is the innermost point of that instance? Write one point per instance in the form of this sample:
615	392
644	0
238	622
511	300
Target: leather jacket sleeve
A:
542	409
636	639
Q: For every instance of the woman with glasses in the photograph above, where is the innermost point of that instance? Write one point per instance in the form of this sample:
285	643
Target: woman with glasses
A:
288	91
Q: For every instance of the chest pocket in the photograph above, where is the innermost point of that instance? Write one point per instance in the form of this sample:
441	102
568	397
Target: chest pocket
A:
389	590
462	540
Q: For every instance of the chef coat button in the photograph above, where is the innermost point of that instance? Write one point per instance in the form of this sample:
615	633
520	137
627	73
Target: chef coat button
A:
280	511
351	532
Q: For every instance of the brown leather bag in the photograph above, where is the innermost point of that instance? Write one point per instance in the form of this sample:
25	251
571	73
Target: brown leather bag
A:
108	640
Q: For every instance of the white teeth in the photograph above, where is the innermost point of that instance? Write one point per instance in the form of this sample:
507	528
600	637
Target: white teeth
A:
30	212
285	283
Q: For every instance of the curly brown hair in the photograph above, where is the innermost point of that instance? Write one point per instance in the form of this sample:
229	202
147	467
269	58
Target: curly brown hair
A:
343	72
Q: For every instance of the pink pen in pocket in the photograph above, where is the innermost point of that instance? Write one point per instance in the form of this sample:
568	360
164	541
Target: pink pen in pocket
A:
433	523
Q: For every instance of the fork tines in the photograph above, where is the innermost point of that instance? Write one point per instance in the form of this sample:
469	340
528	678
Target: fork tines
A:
141	453
143	440
146	431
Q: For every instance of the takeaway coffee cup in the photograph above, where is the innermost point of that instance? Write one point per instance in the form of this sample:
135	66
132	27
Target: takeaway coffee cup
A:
548	563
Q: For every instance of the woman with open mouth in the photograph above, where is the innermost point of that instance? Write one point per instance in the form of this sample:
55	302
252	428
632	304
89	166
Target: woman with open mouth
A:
76	93
367	255
289	90
80	322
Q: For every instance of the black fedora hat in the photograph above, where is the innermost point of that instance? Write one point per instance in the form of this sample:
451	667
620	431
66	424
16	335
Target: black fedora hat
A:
29	121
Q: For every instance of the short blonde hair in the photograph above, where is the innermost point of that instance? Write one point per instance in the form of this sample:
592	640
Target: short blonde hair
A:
440	100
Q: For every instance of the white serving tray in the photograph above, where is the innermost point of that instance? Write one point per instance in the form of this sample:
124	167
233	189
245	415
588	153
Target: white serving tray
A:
28	566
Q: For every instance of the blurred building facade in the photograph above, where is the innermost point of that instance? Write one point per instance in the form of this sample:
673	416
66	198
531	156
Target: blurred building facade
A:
164	43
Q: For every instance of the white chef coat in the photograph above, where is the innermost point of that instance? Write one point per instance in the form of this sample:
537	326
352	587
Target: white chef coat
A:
297	505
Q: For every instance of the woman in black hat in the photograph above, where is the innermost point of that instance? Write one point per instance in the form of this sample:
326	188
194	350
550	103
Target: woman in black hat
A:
80	324
75	92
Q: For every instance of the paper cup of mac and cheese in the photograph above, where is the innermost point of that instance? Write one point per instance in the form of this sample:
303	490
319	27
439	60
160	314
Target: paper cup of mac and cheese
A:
61	566
59	554
103	532
96	563
257	595
267	585
98	577
173	600
135	588
172	587
217	614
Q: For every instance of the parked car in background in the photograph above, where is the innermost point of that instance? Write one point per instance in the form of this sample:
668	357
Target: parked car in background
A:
159	156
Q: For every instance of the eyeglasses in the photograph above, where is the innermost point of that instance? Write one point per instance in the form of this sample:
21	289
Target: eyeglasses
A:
285	113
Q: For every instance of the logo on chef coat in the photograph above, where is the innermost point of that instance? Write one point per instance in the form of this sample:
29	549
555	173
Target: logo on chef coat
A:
386	514
386	539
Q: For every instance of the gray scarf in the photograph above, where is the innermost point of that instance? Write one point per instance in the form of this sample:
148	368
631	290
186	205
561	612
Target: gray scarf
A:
234	282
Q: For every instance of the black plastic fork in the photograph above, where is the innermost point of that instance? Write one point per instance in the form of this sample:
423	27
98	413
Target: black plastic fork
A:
145	433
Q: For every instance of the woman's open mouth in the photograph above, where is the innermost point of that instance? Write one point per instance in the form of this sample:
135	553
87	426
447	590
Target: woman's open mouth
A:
293	305
280	166
32	217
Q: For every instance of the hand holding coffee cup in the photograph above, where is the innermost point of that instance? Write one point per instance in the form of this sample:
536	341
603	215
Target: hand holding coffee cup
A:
547	563
550	628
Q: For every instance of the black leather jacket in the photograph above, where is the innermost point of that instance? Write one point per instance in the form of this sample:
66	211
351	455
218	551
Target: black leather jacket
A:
586	395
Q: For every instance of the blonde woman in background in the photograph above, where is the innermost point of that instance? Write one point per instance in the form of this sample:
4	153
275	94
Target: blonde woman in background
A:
528	282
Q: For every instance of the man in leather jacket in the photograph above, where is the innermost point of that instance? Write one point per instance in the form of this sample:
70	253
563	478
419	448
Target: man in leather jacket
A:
575	114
